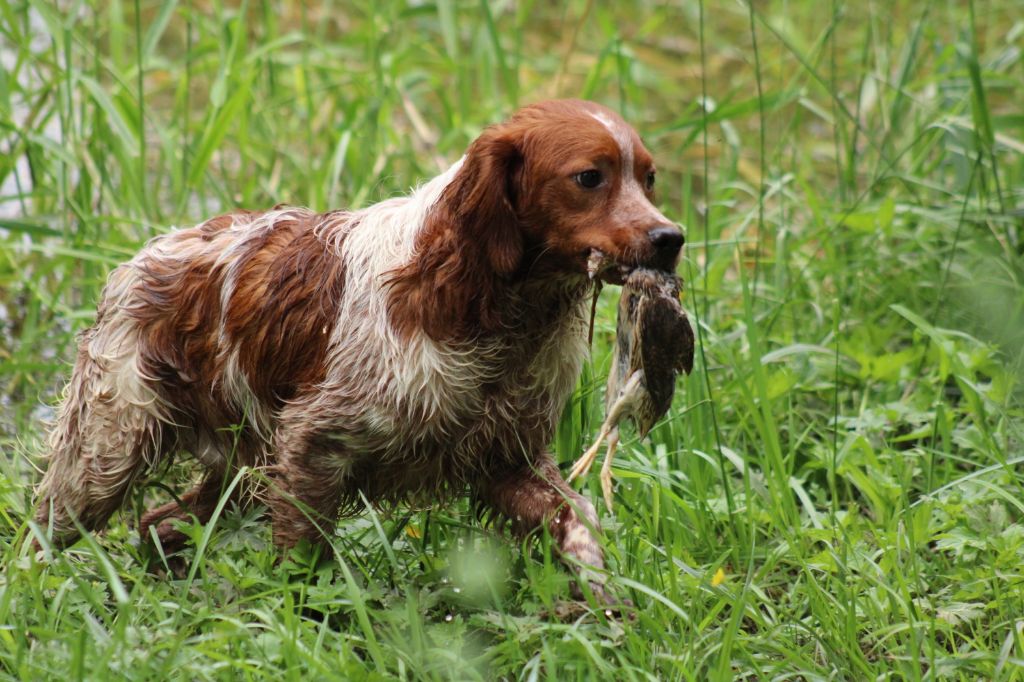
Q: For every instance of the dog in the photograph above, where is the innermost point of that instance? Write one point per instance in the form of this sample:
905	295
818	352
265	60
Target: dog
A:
410	351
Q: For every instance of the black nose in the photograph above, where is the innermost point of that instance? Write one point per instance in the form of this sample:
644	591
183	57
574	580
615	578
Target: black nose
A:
667	242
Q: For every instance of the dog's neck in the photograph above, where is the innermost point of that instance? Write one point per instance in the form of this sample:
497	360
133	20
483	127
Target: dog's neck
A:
451	294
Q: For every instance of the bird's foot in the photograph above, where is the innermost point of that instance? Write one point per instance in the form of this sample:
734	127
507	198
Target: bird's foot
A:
583	464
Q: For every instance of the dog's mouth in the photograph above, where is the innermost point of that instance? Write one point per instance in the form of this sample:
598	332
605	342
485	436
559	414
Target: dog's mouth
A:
603	268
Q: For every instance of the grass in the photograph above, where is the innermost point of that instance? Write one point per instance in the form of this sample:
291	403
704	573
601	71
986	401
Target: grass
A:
848	452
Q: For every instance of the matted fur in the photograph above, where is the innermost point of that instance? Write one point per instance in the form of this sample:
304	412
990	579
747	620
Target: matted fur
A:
416	349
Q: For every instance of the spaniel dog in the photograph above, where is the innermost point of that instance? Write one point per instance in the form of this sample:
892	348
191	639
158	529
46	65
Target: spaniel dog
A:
412	350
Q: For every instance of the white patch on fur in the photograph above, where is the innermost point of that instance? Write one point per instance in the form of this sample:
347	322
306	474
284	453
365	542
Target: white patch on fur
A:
624	138
115	348
236	389
380	239
416	390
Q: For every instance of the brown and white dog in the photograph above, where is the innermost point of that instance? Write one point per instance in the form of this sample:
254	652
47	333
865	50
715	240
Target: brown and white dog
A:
411	350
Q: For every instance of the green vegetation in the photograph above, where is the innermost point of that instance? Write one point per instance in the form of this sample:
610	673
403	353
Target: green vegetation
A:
849	452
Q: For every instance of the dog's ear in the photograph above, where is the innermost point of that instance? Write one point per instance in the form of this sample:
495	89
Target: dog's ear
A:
483	198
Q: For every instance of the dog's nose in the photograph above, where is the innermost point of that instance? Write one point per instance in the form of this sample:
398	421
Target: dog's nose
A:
667	241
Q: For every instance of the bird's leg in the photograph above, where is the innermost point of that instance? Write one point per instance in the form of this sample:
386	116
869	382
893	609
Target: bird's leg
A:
606	469
622	405
583	464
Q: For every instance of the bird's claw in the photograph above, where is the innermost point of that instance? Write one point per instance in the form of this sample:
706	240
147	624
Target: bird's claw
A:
583	464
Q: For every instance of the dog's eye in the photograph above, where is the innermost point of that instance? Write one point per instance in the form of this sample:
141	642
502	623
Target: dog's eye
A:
589	179
649	181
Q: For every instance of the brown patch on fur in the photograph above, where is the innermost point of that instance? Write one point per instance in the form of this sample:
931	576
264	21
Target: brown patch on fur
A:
469	247
535	496
283	311
287	288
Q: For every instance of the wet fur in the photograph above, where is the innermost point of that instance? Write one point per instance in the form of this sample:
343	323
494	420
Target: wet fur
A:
414	350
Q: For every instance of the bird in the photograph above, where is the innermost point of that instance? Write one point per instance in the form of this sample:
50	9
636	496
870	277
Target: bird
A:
653	344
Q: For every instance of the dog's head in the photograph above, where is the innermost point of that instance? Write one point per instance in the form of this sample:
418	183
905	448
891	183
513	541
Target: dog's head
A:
565	180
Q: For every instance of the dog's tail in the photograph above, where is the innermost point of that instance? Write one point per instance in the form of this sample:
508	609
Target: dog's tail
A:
108	430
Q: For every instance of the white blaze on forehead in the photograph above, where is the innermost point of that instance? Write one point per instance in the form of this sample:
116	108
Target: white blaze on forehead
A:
621	134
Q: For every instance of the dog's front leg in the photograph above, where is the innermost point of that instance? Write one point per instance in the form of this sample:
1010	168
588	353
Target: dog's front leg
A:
536	495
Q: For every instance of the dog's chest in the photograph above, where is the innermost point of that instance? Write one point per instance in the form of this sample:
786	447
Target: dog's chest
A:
452	407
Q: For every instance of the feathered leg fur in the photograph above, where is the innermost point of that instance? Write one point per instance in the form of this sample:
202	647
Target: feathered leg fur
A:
106	435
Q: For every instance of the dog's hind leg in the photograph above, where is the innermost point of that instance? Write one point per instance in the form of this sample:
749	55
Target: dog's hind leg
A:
107	433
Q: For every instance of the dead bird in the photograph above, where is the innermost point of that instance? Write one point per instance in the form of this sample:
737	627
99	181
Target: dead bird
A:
653	343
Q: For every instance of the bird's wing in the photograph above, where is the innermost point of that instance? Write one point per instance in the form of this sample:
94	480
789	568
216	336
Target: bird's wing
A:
661	330
684	331
679	328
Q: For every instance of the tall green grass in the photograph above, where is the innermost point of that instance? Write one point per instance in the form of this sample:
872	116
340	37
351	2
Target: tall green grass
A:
848	452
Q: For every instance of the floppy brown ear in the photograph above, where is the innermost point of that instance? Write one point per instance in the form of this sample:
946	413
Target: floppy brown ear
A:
482	199
469	243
